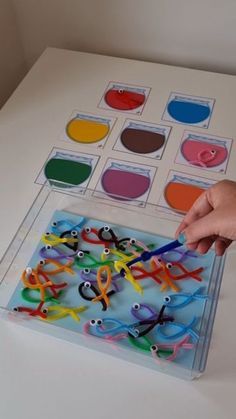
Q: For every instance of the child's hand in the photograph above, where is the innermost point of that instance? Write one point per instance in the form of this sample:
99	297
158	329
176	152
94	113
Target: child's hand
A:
212	218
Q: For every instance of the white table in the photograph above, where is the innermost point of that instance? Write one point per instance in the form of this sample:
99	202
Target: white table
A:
41	377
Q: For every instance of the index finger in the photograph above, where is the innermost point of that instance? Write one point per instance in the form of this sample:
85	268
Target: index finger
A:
199	209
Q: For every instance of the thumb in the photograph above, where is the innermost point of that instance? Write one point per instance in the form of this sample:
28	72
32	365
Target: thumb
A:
204	227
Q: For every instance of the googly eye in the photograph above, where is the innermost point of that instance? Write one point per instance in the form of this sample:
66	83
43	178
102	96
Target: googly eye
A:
120	91
54	224
45	311
167	299
213	152
153	348
106	251
47	233
80	254
87	284
136	333
98	322
49	246
42	262
132	241
87	230
86	271
169	265
74	233
15	309
106	228
28	270
136	306
122	247
92	322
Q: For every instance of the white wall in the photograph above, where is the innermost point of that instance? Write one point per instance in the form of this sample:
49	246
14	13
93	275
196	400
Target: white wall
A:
193	33
12	62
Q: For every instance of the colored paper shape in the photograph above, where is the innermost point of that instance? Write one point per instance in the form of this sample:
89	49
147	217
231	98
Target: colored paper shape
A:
124	185
66	173
124	99
180	196
86	131
191	149
188	112
141	141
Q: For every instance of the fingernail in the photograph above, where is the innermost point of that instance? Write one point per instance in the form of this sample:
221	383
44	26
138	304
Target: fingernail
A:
182	238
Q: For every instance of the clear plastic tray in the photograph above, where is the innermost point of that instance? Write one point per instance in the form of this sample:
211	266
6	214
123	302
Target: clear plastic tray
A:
149	224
